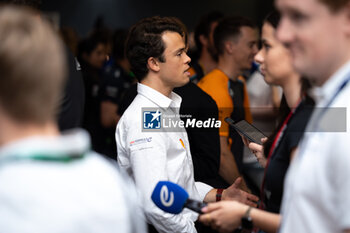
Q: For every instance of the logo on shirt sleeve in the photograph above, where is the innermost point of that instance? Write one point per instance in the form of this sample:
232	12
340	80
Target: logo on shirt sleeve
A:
152	119
140	141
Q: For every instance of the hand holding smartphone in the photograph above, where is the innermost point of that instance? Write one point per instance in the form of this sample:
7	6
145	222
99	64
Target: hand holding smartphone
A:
246	129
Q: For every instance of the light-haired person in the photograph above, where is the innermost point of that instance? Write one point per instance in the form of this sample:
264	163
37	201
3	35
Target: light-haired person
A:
71	110
316	197
50	182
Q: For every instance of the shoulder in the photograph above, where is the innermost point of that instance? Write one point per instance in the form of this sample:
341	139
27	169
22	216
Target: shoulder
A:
215	77
214	83
70	185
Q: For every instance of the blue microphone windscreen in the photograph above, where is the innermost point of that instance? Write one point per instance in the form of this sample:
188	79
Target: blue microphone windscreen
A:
169	197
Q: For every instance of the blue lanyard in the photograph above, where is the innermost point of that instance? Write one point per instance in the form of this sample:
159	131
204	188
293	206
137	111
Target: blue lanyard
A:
339	90
324	109
317	117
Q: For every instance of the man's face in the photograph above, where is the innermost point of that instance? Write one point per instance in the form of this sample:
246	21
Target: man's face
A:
98	56
314	36
246	48
174	71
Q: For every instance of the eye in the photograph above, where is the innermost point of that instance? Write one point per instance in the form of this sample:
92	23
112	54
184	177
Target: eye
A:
266	46
179	53
297	17
252	44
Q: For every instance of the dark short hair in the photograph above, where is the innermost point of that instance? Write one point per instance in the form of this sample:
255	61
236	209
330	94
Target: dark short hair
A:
273	18
229	27
204	25
87	45
145	41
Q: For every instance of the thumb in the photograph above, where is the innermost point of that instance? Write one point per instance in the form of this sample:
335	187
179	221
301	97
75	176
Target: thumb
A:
263	140
237	182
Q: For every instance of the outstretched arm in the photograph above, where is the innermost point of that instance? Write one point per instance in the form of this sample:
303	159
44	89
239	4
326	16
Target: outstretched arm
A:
233	193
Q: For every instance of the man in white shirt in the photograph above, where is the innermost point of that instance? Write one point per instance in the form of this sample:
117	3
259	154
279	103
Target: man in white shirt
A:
50	182
317	187
156	49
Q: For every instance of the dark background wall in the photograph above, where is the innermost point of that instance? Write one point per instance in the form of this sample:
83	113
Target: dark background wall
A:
81	14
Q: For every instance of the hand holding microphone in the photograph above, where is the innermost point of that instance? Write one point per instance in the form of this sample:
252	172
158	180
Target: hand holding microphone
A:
172	198
224	216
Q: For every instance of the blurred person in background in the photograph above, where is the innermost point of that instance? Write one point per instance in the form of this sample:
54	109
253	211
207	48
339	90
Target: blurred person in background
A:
205	58
71	111
279	149
50	182
92	54
117	78
235	41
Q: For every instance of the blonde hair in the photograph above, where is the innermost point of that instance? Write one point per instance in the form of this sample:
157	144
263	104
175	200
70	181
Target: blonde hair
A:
32	66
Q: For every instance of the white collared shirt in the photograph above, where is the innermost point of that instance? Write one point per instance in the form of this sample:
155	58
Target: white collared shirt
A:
150	157
42	190
317	185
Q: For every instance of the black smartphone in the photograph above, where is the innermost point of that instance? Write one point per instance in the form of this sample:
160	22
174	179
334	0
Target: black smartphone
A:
249	131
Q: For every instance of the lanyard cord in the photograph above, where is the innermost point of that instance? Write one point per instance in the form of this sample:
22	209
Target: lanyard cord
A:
62	158
274	145
324	109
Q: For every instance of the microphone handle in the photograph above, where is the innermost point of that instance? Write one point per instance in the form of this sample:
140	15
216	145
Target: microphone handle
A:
195	205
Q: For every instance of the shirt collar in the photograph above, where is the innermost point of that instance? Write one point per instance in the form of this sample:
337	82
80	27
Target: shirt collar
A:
71	143
158	98
324	94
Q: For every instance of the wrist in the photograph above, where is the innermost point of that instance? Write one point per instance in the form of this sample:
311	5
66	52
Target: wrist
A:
246	220
219	194
246	210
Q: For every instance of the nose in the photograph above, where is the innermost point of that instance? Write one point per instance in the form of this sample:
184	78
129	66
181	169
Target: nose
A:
259	58
285	32
187	59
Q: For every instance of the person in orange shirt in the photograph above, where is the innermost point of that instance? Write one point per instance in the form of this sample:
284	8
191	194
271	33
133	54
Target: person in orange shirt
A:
206	59
235	39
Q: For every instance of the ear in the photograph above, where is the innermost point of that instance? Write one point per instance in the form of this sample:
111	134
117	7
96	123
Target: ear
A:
229	46
203	40
153	64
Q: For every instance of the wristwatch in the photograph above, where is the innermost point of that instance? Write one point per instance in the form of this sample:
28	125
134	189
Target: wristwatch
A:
247	222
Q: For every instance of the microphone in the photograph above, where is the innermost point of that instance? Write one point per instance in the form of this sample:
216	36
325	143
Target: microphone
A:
172	198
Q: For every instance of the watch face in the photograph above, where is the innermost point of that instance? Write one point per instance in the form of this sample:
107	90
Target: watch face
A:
247	223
